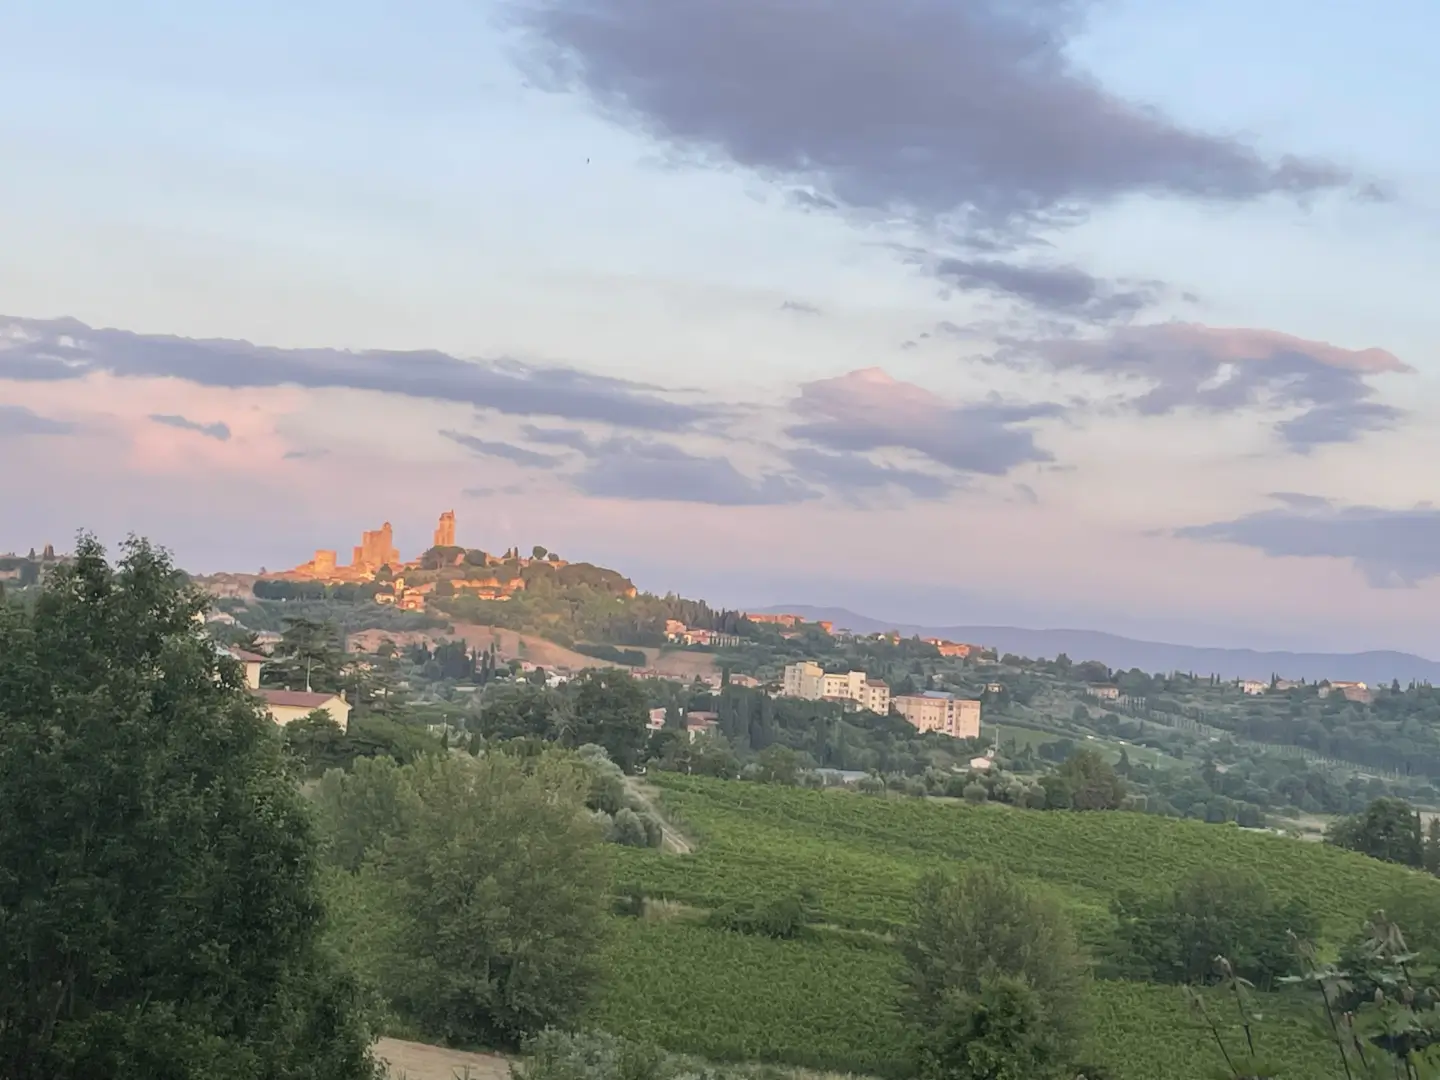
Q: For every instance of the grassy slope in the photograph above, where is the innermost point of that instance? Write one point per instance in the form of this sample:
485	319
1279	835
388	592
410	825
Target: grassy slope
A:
829	1004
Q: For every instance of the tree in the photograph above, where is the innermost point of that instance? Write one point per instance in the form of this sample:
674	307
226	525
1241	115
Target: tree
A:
1092	781
538	553
611	710
494	884
1388	829
1175	936
778	765
160	898
306	657
317	742
977	936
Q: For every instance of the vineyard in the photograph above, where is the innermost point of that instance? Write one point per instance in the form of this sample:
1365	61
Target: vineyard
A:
862	855
828	1001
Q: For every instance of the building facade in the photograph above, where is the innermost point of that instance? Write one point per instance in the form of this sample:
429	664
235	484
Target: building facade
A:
933	710
810	681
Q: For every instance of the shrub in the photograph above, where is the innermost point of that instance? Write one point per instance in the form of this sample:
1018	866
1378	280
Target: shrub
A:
987	955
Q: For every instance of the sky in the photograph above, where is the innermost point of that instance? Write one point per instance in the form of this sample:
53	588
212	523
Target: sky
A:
1049	313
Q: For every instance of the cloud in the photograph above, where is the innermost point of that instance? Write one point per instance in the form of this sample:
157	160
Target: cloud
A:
868	410
305	455
1390	547
849	475
506	451
1188	366
16	421
219	431
629	469
571	438
799	307
490	492
58	349
965	119
1065	290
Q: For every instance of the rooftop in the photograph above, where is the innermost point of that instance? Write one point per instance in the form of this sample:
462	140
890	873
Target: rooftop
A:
296	699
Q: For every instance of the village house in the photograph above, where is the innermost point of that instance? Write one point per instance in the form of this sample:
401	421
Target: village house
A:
287	706
1105	693
1253	686
701	723
956	649
1351	691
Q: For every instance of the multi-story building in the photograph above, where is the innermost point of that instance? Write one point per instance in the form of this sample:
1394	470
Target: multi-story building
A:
810	681
804	680
932	710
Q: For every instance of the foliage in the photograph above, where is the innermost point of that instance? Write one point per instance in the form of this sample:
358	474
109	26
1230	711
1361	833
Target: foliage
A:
1389	830
160	908
990	959
491	887
1176	935
1090	782
781	917
1000	1031
611	710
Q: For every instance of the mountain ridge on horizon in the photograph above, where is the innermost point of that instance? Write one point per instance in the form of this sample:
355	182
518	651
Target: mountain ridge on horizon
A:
1117	651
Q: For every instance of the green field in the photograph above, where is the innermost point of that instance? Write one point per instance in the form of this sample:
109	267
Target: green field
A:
830	1003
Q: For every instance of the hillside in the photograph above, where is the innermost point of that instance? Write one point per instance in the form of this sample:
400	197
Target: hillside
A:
1126	653
828	1001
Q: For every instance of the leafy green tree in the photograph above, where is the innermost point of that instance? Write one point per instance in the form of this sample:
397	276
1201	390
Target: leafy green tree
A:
611	710
307	657
1092	781
494	886
777	765
318	743
1175	936
1388	829
996	1033
160	909
977	935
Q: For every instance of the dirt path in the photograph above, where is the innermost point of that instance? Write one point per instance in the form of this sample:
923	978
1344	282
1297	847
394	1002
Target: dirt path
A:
671	838
420	1061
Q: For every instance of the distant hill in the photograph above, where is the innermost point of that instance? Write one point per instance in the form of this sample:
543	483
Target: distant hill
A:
1153	656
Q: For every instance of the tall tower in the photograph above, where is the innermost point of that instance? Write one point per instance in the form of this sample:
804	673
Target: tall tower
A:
445	531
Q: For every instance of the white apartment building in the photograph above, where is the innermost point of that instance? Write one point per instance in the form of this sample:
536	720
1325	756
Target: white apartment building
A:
933	710
810	681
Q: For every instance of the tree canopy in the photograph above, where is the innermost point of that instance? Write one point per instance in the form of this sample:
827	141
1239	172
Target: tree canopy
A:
159	901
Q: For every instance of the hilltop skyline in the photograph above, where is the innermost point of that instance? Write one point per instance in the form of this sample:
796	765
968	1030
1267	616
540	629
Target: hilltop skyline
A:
1114	316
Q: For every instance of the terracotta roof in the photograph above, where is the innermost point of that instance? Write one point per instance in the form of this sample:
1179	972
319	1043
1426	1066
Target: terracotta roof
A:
249	657
295	699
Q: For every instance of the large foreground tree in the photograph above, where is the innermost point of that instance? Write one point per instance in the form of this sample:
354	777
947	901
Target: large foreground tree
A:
159	908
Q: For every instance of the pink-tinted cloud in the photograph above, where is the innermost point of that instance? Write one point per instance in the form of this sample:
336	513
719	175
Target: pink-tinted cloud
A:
868	410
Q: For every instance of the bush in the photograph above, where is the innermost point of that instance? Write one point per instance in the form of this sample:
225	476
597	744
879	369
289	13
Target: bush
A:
975	792
1175	936
783	918
987	956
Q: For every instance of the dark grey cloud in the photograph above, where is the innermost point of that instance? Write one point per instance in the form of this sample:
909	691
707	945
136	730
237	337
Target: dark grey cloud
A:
16	421
1186	366
799	307
219	430
1392	548
868	410
506	451
1065	290
851	475
966	118
58	349
630	469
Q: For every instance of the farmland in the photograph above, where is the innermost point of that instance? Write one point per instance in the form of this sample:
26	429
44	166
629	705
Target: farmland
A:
828	1001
